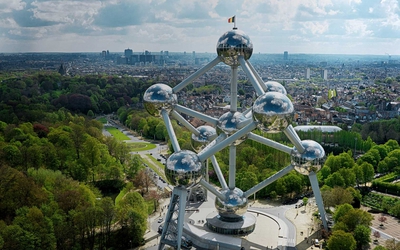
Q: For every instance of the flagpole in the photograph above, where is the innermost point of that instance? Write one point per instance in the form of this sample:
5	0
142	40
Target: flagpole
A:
234	22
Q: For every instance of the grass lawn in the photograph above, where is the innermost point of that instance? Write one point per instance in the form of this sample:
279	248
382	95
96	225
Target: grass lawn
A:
140	146
117	134
155	161
102	120
120	196
159	164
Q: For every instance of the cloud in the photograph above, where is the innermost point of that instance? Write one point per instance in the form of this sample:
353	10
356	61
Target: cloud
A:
126	13
357	27
315	28
11	5
27	18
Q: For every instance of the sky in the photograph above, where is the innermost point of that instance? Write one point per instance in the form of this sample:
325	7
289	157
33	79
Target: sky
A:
274	26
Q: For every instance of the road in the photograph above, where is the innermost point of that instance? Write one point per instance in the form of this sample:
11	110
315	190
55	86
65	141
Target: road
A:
157	152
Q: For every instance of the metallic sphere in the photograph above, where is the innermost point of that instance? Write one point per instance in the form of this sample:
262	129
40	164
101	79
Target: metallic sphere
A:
206	135
157	97
232	44
311	160
230	122
273	110
234	206
184	169
273	86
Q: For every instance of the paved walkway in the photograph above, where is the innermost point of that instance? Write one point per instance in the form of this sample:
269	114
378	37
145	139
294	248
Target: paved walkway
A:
389	230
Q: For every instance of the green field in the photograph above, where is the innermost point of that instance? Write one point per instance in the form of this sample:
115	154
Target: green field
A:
159	164
117	134
140	146
102	120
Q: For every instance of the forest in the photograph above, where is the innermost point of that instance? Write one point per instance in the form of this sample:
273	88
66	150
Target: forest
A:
60	176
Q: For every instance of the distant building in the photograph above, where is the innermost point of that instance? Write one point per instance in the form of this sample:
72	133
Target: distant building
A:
285	55
103	53
194	54
324	74
308	73
122	60
128	53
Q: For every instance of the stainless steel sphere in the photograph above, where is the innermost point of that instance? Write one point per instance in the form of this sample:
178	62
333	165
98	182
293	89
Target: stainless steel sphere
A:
184	169
273	111
234	206
229	122
273	86
232	44
311	160
157	97
206	135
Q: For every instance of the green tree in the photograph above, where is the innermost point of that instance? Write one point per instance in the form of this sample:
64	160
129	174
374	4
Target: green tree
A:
91	154
340	240
356	217
78	137
16	238
246	180
132	215
341	211
36	224
305	202
368	172
334	180
362	235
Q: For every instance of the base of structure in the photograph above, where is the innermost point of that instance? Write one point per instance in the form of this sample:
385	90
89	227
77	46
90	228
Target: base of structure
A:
244	226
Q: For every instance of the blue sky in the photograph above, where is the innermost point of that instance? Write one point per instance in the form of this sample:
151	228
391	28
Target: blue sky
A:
298	26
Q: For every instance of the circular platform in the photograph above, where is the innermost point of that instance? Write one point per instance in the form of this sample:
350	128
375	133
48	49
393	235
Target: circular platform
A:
217	224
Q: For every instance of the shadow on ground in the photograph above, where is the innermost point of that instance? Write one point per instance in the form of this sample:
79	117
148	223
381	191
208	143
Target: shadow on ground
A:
307	242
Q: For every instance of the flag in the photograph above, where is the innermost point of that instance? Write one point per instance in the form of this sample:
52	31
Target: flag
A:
231	20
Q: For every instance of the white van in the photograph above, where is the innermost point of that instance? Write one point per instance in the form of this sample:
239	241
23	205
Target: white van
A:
316	243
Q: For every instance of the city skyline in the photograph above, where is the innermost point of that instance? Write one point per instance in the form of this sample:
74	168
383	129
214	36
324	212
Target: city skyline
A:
296	26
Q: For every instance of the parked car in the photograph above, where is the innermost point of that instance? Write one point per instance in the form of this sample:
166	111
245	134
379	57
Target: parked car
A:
160	220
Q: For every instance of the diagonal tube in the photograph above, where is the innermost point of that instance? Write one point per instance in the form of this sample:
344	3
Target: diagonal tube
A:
212	189
251	76
318	198
170	131
268	181
271	143
185	123
234	89
217	140
213	121
196	74
232	166
218	172
205	154
259	79
294	138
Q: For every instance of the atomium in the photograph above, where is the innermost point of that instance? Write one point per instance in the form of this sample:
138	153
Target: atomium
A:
273	111
157	97
311	160
232	44
184	169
